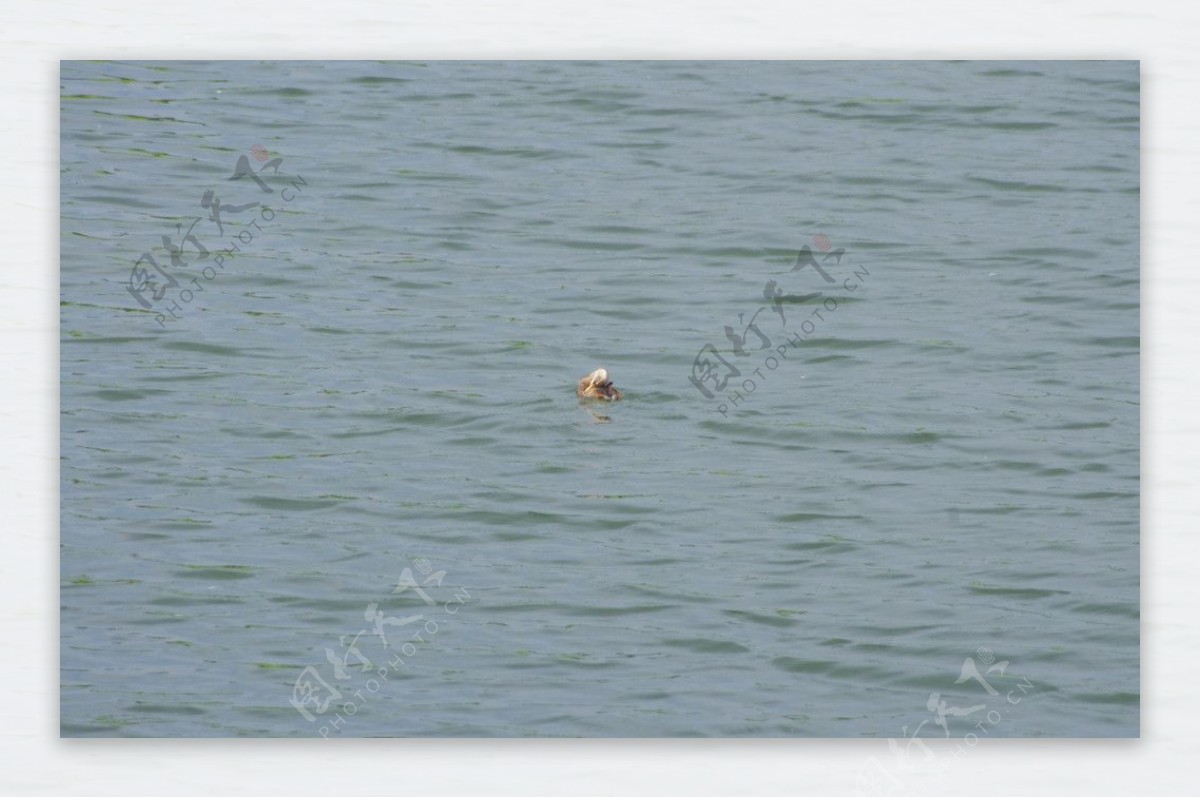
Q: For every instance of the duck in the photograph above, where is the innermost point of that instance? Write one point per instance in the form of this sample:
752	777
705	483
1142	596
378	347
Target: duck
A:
597	385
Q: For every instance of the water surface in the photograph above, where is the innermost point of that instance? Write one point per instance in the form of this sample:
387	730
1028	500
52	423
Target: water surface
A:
929	468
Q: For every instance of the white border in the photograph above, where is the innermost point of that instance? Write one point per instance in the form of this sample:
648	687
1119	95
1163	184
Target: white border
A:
36	36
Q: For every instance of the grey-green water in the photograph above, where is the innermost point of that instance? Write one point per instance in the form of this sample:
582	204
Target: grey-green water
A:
938	473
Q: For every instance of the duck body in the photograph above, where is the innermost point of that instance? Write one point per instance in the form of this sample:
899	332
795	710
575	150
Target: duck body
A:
597	385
